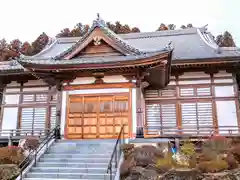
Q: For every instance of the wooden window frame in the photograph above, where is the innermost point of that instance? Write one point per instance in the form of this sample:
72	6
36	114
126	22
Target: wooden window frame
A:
179	99
48	103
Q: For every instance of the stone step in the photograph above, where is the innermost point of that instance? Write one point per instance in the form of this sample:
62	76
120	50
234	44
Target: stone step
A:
71	160
73	164
83	145
93	151
103	147
106	155
68	170
50	179
85	160
88	141
67	175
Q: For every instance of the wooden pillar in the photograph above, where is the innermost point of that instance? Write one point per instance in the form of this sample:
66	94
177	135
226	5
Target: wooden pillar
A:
211	73
2	86
58	106
140	118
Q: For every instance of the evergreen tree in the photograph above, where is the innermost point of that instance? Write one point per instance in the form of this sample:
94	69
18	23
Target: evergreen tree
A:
225	40
162	27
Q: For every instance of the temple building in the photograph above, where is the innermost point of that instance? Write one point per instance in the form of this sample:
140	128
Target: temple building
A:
157	84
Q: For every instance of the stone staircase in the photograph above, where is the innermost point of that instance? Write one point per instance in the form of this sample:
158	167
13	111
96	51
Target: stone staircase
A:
86	159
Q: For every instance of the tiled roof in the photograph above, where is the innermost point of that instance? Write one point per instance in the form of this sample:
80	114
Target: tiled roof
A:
188	44
10	66
193	43
93	60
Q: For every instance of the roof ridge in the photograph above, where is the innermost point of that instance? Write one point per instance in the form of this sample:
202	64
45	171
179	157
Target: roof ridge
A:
154	34
142	35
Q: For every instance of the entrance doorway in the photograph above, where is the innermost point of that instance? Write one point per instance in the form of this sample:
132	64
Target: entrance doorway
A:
98	116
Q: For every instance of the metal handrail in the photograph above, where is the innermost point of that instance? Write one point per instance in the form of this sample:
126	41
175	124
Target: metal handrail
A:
54	134
116	154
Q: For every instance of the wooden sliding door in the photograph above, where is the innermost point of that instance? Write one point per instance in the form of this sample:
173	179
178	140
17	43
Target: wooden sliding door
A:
97	116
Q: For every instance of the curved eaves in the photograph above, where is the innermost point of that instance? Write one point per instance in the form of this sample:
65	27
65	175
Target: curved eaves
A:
206	40
46	49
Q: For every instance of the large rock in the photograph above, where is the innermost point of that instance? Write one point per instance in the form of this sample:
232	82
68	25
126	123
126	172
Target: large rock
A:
140	157
9	171
127	166
29	144
146	155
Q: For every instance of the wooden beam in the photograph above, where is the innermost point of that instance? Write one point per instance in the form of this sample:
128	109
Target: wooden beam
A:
99	86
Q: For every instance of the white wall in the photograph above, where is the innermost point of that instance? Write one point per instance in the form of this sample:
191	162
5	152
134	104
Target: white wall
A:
204	75
63	111
106	79
134	110
9	120
29	83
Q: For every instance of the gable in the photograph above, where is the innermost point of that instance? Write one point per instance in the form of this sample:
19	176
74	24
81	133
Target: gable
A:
102	49
96	43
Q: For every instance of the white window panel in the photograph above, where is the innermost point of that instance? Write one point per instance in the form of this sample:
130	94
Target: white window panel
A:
11	99
224	91
227	116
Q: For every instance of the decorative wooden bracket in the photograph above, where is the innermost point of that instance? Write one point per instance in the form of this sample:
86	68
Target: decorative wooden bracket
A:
211	71
177	74
98	78
22	81
140	77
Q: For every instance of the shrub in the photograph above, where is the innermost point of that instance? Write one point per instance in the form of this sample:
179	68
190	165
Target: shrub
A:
212	166
192	162
236	152
235	141
164	164
205	156
232	162
127	149
217	144
9	172
188	149
11	155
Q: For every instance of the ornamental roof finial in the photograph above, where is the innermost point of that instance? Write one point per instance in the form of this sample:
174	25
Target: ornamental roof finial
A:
99	21
98	16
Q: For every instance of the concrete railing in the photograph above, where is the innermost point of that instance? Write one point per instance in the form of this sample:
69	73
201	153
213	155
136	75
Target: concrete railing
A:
198	131
16	134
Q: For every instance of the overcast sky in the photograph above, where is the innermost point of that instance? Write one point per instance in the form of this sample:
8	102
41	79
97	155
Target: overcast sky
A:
26	19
